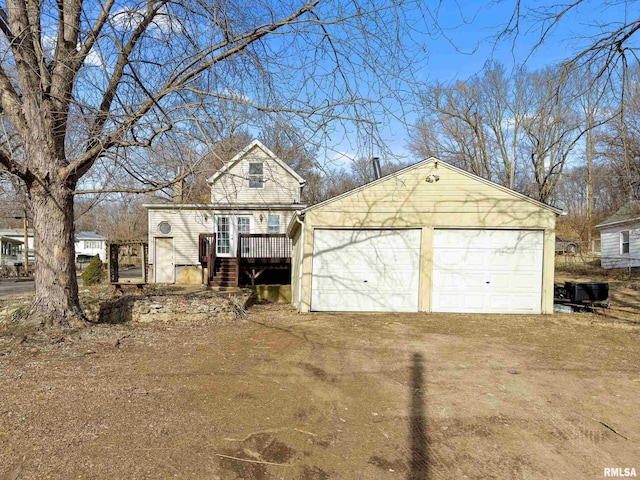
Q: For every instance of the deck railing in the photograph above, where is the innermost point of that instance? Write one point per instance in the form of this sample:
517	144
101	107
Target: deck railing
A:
263	245
250	245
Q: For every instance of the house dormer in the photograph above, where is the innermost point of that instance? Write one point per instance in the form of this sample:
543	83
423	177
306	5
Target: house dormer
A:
256	176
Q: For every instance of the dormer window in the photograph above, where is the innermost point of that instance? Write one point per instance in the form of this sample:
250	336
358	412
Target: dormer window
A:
256	175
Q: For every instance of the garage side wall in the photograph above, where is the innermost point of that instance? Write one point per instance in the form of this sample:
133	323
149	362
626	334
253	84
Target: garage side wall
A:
407	200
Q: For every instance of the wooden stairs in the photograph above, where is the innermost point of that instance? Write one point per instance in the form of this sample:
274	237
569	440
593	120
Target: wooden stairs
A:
225	272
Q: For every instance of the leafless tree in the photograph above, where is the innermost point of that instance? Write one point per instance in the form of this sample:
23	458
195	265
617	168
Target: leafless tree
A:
92	85
517	129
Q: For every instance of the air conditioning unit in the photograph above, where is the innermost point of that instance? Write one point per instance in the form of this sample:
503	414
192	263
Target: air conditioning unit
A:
586	291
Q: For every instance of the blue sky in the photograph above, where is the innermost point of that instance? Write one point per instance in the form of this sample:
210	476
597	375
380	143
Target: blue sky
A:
468	41
472	31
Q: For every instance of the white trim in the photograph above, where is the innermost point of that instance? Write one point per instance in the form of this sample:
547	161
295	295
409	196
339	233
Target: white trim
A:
279	222
250	175
622	242
155	258
617	223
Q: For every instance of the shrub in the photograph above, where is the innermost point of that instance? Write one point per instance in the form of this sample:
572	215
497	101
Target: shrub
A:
94	273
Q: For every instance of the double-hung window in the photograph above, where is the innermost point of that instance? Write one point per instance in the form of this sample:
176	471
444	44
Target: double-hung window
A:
256	175
273	223
624	241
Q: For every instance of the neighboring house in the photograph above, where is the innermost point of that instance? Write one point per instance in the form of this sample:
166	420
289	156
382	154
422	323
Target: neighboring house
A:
253	198
18	234
620	238
10	252
88	245
428	238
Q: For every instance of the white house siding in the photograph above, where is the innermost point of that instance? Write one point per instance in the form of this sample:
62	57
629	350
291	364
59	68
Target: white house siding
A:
101	251
187	224
610	247
233	187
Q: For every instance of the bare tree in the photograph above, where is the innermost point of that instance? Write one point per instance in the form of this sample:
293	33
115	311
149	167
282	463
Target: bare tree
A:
517	129
90	85
551	130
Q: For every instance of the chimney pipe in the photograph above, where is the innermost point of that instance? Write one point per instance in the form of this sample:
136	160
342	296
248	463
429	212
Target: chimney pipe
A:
377	173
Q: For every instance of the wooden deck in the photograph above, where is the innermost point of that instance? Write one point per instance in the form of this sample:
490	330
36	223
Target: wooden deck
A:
255	254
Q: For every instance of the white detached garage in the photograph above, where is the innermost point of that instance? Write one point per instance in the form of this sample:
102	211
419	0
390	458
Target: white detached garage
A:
430	238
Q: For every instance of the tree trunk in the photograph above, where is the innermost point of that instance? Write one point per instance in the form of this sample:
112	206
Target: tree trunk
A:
56	300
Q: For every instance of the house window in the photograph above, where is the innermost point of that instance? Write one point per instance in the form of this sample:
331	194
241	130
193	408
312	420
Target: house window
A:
624	241
244	226
256	175
223	239
164	228
273	223
90	244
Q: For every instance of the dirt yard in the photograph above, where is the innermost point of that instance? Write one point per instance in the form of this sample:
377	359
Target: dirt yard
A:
327	396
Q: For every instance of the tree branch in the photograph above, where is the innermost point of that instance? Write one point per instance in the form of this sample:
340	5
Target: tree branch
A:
176	82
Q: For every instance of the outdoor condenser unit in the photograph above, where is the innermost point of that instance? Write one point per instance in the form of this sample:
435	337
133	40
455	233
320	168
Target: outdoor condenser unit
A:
587	291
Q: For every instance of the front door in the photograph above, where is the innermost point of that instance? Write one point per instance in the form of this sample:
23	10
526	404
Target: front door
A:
227	229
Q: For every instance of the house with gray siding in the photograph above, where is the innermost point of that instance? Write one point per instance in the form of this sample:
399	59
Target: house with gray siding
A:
620	238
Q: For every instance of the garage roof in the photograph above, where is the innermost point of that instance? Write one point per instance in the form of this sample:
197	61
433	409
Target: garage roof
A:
438	163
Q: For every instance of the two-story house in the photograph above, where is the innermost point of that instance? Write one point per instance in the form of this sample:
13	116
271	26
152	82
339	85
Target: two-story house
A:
88	245
236	237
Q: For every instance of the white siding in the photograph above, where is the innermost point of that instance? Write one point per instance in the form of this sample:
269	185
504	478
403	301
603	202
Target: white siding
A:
92	252
232	187
610	247
188	224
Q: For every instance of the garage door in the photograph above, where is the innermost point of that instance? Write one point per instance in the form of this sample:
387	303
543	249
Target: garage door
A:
365	270
487	271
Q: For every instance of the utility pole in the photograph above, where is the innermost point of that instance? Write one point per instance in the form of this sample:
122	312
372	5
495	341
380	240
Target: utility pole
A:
25	225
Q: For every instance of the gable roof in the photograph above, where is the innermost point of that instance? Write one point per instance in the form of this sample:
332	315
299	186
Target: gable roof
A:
422	163
88	236
627	213
245	151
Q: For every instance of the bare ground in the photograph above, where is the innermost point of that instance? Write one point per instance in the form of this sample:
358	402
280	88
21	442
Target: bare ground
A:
327	396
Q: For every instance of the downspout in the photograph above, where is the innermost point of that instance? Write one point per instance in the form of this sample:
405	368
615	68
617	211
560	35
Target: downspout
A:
301	258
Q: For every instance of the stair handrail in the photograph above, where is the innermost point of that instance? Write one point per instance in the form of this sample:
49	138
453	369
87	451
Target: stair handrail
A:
211	258
206	242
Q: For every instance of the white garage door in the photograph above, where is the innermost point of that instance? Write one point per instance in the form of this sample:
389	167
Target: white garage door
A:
365	270
487	271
